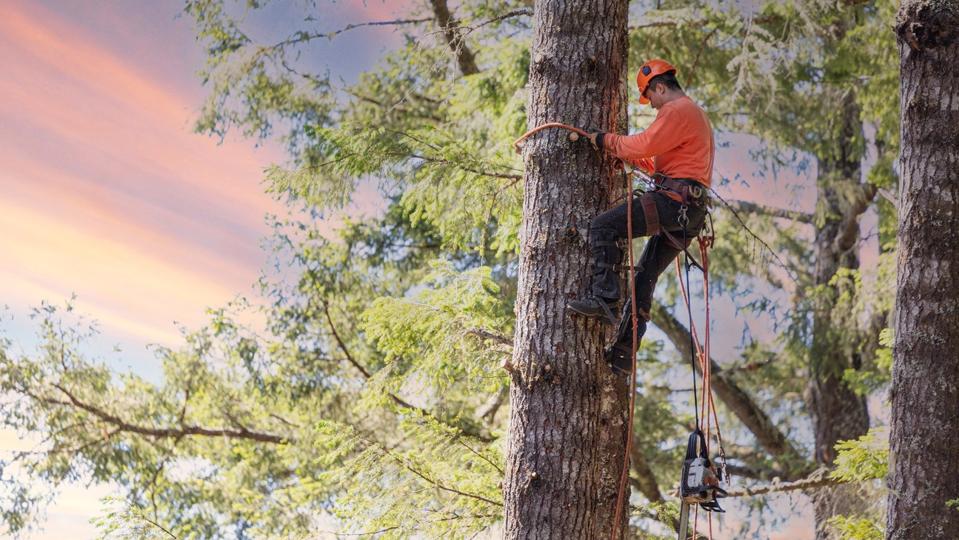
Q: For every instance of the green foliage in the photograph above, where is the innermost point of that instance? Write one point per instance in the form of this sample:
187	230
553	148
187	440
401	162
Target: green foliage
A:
866	458
856	528
120	521
866	380
365	389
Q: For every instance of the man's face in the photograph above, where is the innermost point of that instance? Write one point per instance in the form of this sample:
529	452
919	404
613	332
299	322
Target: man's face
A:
656	95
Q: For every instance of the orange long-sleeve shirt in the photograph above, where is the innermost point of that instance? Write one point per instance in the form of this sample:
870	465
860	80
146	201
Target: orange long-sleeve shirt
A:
680	141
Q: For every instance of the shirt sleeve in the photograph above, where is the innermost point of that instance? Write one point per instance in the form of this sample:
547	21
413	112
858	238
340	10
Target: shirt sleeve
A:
661	136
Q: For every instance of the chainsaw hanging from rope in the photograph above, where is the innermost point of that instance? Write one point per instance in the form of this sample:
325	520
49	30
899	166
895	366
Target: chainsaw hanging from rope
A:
700	481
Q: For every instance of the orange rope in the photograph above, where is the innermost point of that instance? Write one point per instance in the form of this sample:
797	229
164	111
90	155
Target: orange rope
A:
624	475
537	129
708	408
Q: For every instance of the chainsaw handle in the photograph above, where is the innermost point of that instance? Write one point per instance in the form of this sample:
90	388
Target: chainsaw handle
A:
697	436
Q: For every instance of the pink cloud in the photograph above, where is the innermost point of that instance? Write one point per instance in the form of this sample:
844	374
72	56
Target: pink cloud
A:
107	192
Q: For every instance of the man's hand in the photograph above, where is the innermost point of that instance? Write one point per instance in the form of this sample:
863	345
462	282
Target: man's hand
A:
592	139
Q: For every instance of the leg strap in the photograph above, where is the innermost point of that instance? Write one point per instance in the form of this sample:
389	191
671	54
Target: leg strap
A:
652	214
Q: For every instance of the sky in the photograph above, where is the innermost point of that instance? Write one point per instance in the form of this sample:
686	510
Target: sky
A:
110	196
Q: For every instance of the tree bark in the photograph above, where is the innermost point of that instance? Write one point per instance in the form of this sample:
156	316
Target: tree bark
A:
924	468
568	412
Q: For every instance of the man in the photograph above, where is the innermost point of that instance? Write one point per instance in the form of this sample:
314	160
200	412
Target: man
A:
680	141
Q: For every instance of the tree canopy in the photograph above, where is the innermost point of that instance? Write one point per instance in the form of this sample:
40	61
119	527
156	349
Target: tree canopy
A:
369	387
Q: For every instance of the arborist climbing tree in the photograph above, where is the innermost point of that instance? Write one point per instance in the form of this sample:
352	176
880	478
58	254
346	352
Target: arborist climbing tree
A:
680	141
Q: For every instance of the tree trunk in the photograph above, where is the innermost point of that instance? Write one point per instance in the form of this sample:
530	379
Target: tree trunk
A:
567	430
838	413
924	456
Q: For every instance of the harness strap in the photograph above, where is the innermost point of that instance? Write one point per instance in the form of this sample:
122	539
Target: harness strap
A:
652	214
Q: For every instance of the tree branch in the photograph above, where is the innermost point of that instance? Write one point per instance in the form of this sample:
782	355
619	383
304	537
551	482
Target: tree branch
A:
754	208
510	14
181	431
396	399
451	31
467	169
818	479
849	226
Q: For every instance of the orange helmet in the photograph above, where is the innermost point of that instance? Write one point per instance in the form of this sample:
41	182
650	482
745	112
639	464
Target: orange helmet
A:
649	70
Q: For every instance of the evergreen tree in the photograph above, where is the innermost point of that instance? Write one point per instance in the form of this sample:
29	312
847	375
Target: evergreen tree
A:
923	497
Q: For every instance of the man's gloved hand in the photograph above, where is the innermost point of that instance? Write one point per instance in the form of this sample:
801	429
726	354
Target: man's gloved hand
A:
596	139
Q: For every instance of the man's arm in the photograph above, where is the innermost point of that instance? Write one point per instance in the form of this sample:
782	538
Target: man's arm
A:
662	135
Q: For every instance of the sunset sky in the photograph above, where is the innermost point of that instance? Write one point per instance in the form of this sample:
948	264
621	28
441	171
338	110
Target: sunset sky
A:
108	194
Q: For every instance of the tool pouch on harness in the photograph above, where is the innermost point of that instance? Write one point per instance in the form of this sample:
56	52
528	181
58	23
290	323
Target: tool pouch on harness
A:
700	481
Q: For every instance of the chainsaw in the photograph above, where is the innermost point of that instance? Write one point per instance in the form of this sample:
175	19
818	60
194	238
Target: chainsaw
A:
699	483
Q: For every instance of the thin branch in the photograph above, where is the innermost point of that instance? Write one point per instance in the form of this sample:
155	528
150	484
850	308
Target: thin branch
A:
396	399
437	483
508	176
761	209
490	336
182	431
158	526
790	271
818	479
510	14
302	37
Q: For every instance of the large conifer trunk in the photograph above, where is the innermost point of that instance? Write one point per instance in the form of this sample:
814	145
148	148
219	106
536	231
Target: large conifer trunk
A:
924	458
567	429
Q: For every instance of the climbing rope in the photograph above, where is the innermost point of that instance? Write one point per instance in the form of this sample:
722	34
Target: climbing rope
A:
701	352
624	474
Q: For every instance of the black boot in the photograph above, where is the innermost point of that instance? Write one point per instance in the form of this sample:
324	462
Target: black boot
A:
620	353
594	306
604	294
620	358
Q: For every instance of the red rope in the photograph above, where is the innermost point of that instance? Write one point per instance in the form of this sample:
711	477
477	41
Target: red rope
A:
624	475
708	408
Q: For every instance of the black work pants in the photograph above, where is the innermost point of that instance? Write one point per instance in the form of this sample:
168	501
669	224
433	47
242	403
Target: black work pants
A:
608	228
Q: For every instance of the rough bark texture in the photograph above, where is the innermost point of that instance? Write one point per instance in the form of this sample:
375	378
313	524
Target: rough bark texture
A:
924	459
838	413
567	429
